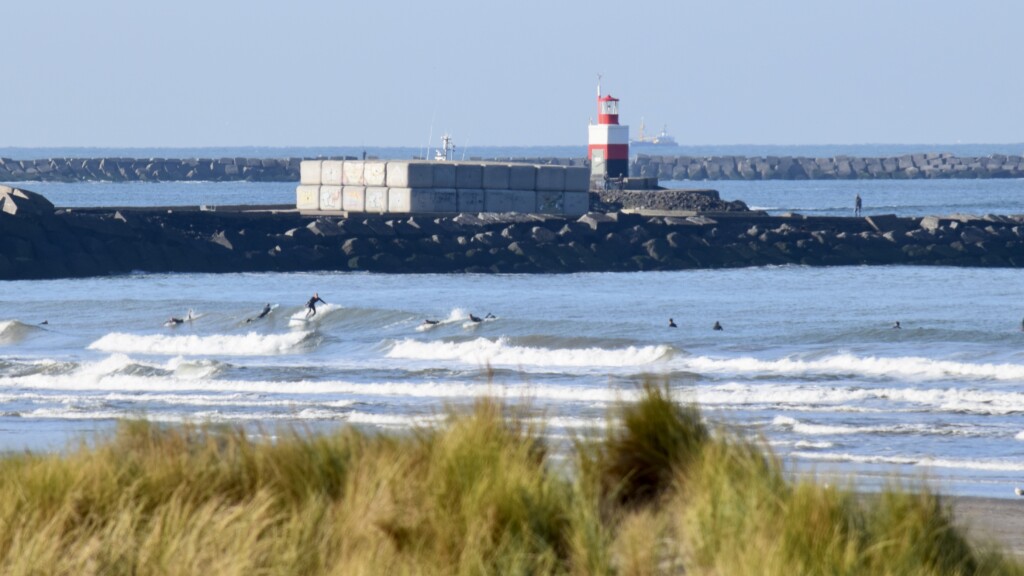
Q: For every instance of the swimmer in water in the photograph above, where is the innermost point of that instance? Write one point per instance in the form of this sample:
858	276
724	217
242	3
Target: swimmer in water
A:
672	323
717	326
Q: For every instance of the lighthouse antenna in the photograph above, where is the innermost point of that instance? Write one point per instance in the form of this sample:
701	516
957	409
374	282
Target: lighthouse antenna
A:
598	85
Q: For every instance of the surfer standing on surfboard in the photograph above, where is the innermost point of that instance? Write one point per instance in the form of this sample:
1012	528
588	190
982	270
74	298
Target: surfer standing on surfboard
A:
311	305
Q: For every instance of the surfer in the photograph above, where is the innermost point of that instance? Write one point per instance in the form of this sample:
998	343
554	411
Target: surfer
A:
44	322
897	326
672	323
717	326
490	317
475	318
172	321
429	322
857	204
311	305
263	314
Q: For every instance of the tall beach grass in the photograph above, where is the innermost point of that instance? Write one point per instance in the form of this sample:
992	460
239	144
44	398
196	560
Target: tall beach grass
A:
660	492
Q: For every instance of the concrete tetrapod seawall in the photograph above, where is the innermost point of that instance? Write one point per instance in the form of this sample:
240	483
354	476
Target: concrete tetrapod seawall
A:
665	167
39	241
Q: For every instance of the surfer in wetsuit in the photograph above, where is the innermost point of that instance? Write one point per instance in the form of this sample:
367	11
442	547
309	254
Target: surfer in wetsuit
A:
475	318
172	321
431	322
857	205
672	323
263	314
717	326
896	326
311	305
490	317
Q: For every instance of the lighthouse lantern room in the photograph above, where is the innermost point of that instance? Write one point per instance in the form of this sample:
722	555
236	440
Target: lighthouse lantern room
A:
608	144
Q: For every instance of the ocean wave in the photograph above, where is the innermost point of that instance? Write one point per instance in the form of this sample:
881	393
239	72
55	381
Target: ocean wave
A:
807	429
499	352
962	400
14	331
908	367
990	465
250	344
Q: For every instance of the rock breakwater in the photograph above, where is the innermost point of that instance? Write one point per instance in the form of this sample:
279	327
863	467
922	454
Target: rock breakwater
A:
911	166
38	241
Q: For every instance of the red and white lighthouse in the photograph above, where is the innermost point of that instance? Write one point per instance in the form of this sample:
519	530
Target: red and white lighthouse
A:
608	144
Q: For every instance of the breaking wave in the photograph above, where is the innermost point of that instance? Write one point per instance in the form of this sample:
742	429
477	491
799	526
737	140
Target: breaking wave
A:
250	344
501	352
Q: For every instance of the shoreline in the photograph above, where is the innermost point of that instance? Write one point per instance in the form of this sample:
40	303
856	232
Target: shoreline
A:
991	520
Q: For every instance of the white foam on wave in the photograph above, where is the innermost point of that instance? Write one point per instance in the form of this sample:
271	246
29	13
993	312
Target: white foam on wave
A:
839	398
903	367
499	352
842	430
990	465
73	413
249	344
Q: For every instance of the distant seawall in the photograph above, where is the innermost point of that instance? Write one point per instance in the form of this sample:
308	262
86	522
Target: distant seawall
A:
696	168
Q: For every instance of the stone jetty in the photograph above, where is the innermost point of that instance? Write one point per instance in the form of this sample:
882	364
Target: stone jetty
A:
911	166
907	167
38	240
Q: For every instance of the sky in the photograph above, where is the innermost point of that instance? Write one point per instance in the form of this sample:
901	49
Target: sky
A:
186	73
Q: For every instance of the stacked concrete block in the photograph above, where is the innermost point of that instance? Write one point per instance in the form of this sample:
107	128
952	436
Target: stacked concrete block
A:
307	197
331	172
422	200
410	175
330	197
496	177
471	200
352	173
353	198
309	172
375	173
441	187
376	199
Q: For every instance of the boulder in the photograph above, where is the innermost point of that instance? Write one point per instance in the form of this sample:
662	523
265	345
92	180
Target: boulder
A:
17	202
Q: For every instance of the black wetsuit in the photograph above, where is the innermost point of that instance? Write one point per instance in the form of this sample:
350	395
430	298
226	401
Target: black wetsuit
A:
311	305
266	310
671	323
474	319
431	321
176	321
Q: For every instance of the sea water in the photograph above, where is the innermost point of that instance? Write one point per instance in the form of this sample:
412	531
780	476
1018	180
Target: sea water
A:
808	357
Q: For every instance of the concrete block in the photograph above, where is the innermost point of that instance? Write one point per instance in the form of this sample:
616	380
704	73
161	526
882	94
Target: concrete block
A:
471	200
522	177
331	172
375	172
577	179
422	200
444	175
353	198
309	172
469	176
522	201
549	202
410	174
376	199
352	173
307	197
551	178
330	197
576	203
496	177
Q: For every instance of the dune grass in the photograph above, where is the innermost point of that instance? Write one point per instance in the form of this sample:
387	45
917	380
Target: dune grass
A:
660	492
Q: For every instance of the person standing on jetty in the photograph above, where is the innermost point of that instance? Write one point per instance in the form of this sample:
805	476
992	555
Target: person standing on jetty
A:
311	305
857	205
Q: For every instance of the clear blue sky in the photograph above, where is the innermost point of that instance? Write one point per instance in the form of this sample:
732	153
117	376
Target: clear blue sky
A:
322	73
